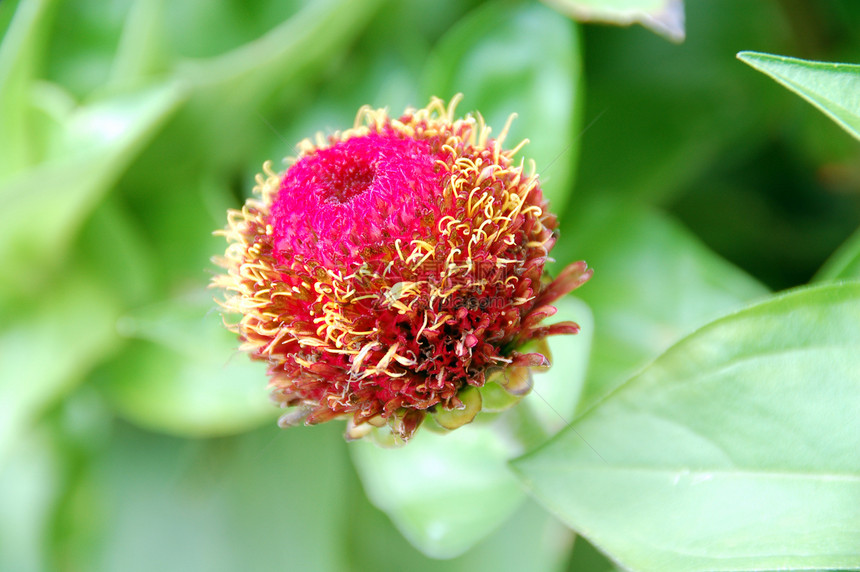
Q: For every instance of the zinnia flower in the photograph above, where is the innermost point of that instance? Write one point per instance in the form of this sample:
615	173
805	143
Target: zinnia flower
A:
393	270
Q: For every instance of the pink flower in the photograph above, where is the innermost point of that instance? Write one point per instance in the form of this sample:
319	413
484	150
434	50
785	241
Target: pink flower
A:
393	267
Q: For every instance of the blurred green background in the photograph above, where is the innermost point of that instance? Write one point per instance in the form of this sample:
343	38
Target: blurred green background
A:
133	436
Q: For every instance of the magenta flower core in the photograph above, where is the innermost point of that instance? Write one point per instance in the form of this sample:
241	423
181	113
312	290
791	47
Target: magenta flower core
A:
392	270
360	193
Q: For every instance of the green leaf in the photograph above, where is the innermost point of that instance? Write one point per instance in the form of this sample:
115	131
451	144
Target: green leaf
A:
98	142
29	483
253	70
268	500
19	53
844	263
832	88
183	374
444	492
736	449
139	52
7	12
109	230
586	557
665	17
653	283
531	539
48	345
665	120
521	59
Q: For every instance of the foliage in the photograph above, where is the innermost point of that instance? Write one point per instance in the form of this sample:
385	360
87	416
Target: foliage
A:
707	417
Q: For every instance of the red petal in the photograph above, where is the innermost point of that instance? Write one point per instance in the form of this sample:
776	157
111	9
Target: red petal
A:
554	330
537	315
529	360
568	280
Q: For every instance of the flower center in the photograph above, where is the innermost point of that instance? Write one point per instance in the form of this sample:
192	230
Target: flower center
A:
362	192
353	181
